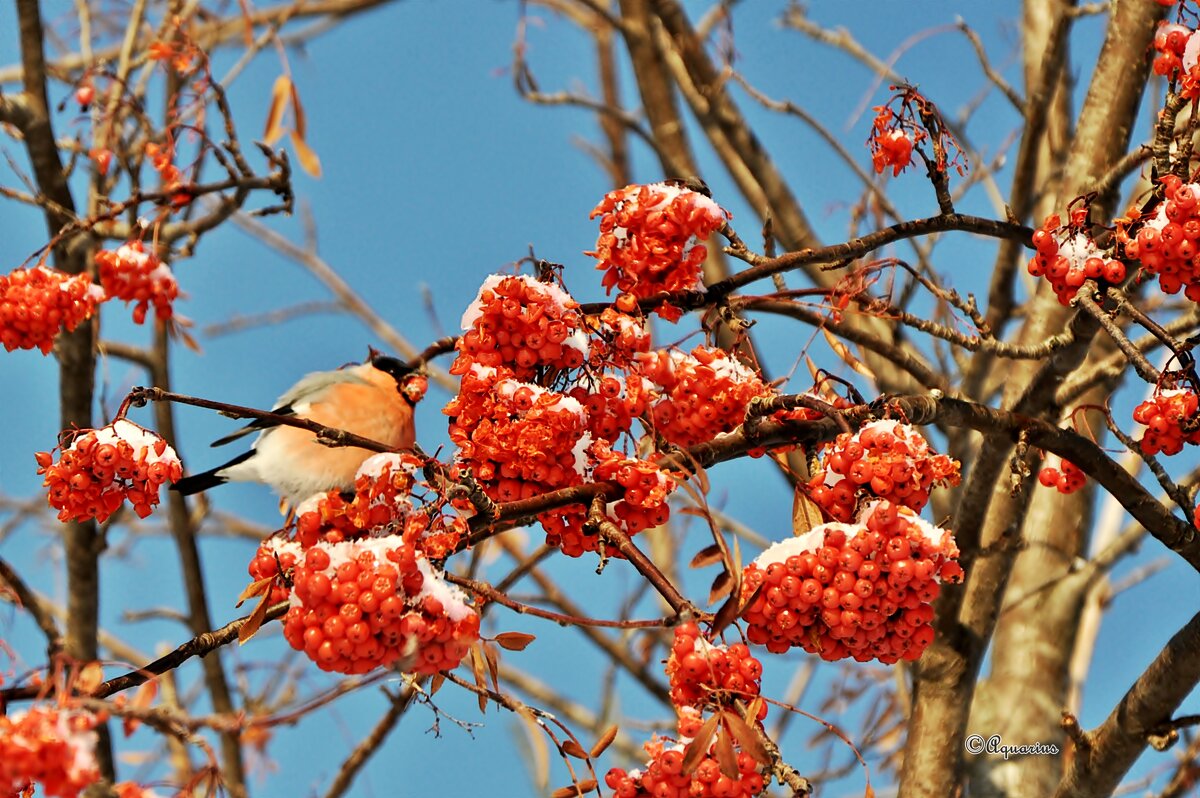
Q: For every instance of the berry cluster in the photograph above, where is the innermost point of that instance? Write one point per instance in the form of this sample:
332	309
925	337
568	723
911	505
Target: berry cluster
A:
104	467
861	590
1167	242
664	776
704	393
890	143
35	304
133	275
884	460
522	324
362	604
704	674
618	338
1170	420
1067	257
1067	478
611	404
381	498
171	178
1171	56
49	746
650	238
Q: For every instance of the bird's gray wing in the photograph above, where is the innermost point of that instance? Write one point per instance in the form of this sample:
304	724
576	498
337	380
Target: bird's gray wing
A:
310	388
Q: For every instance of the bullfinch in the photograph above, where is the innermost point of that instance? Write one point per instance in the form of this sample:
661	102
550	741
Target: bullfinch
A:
368	399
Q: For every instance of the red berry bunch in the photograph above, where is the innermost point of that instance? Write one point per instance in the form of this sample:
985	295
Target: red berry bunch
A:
382	497
616	339
1166	416
104	467
162	158
1067	478
1067	257
611	404
885	460
131	789
35	304
522	324
664	777
276	557
363	604
650	238
1170	45
890	143
518	439
704	674
133	275
862	590
644	502
49	746
1167	242
704	393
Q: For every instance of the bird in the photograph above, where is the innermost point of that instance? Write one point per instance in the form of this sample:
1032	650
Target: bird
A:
367	399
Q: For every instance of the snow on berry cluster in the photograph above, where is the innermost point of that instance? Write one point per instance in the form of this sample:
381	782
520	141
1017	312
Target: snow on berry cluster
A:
1067	478
523	324
36	304
48	746
1177	52
1167	245
664	775
650	238
1170	420
612	403
892	148
104	467
861	590
704	393
705	675
362	604
883	460
1067	256
131	274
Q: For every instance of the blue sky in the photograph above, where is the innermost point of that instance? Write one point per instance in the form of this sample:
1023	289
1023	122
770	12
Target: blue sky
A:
436	174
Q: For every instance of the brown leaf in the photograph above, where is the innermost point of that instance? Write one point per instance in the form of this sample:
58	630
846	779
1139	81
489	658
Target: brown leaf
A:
604	742
255	621
493	662
256	588
806	513
298	113
726	757
144	697
308	159
436	682
581	788
280	93
747	737
709	555
720	587
869	792
89	678
514	641
477	668
572	748
843	351
728	612
697	749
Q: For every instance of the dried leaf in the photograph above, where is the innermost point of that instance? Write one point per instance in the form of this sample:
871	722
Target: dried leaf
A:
726	757
493	662
572	748
720	587
869	792
280	93
90	677
697	749
477	668
308	159
298	113
843	351
145	695
514	641
581	788
255	621
806	513
256	588
709	555
751	714
184	336
748	739
129	726
604	742
436	682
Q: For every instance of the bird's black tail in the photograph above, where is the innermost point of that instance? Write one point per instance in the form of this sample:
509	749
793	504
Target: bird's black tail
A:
199	482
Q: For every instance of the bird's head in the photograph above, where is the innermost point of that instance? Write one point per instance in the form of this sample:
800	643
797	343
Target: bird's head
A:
411	384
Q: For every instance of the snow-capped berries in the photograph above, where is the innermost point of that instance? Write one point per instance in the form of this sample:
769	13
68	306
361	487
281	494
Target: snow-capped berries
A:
886	460
650	238
131	274
104	467
1172	57
362	604
521	324
704	393
51	747
37	304
1170	419
1067	256
1067	478
664	776
705	674
861	590
1167	242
